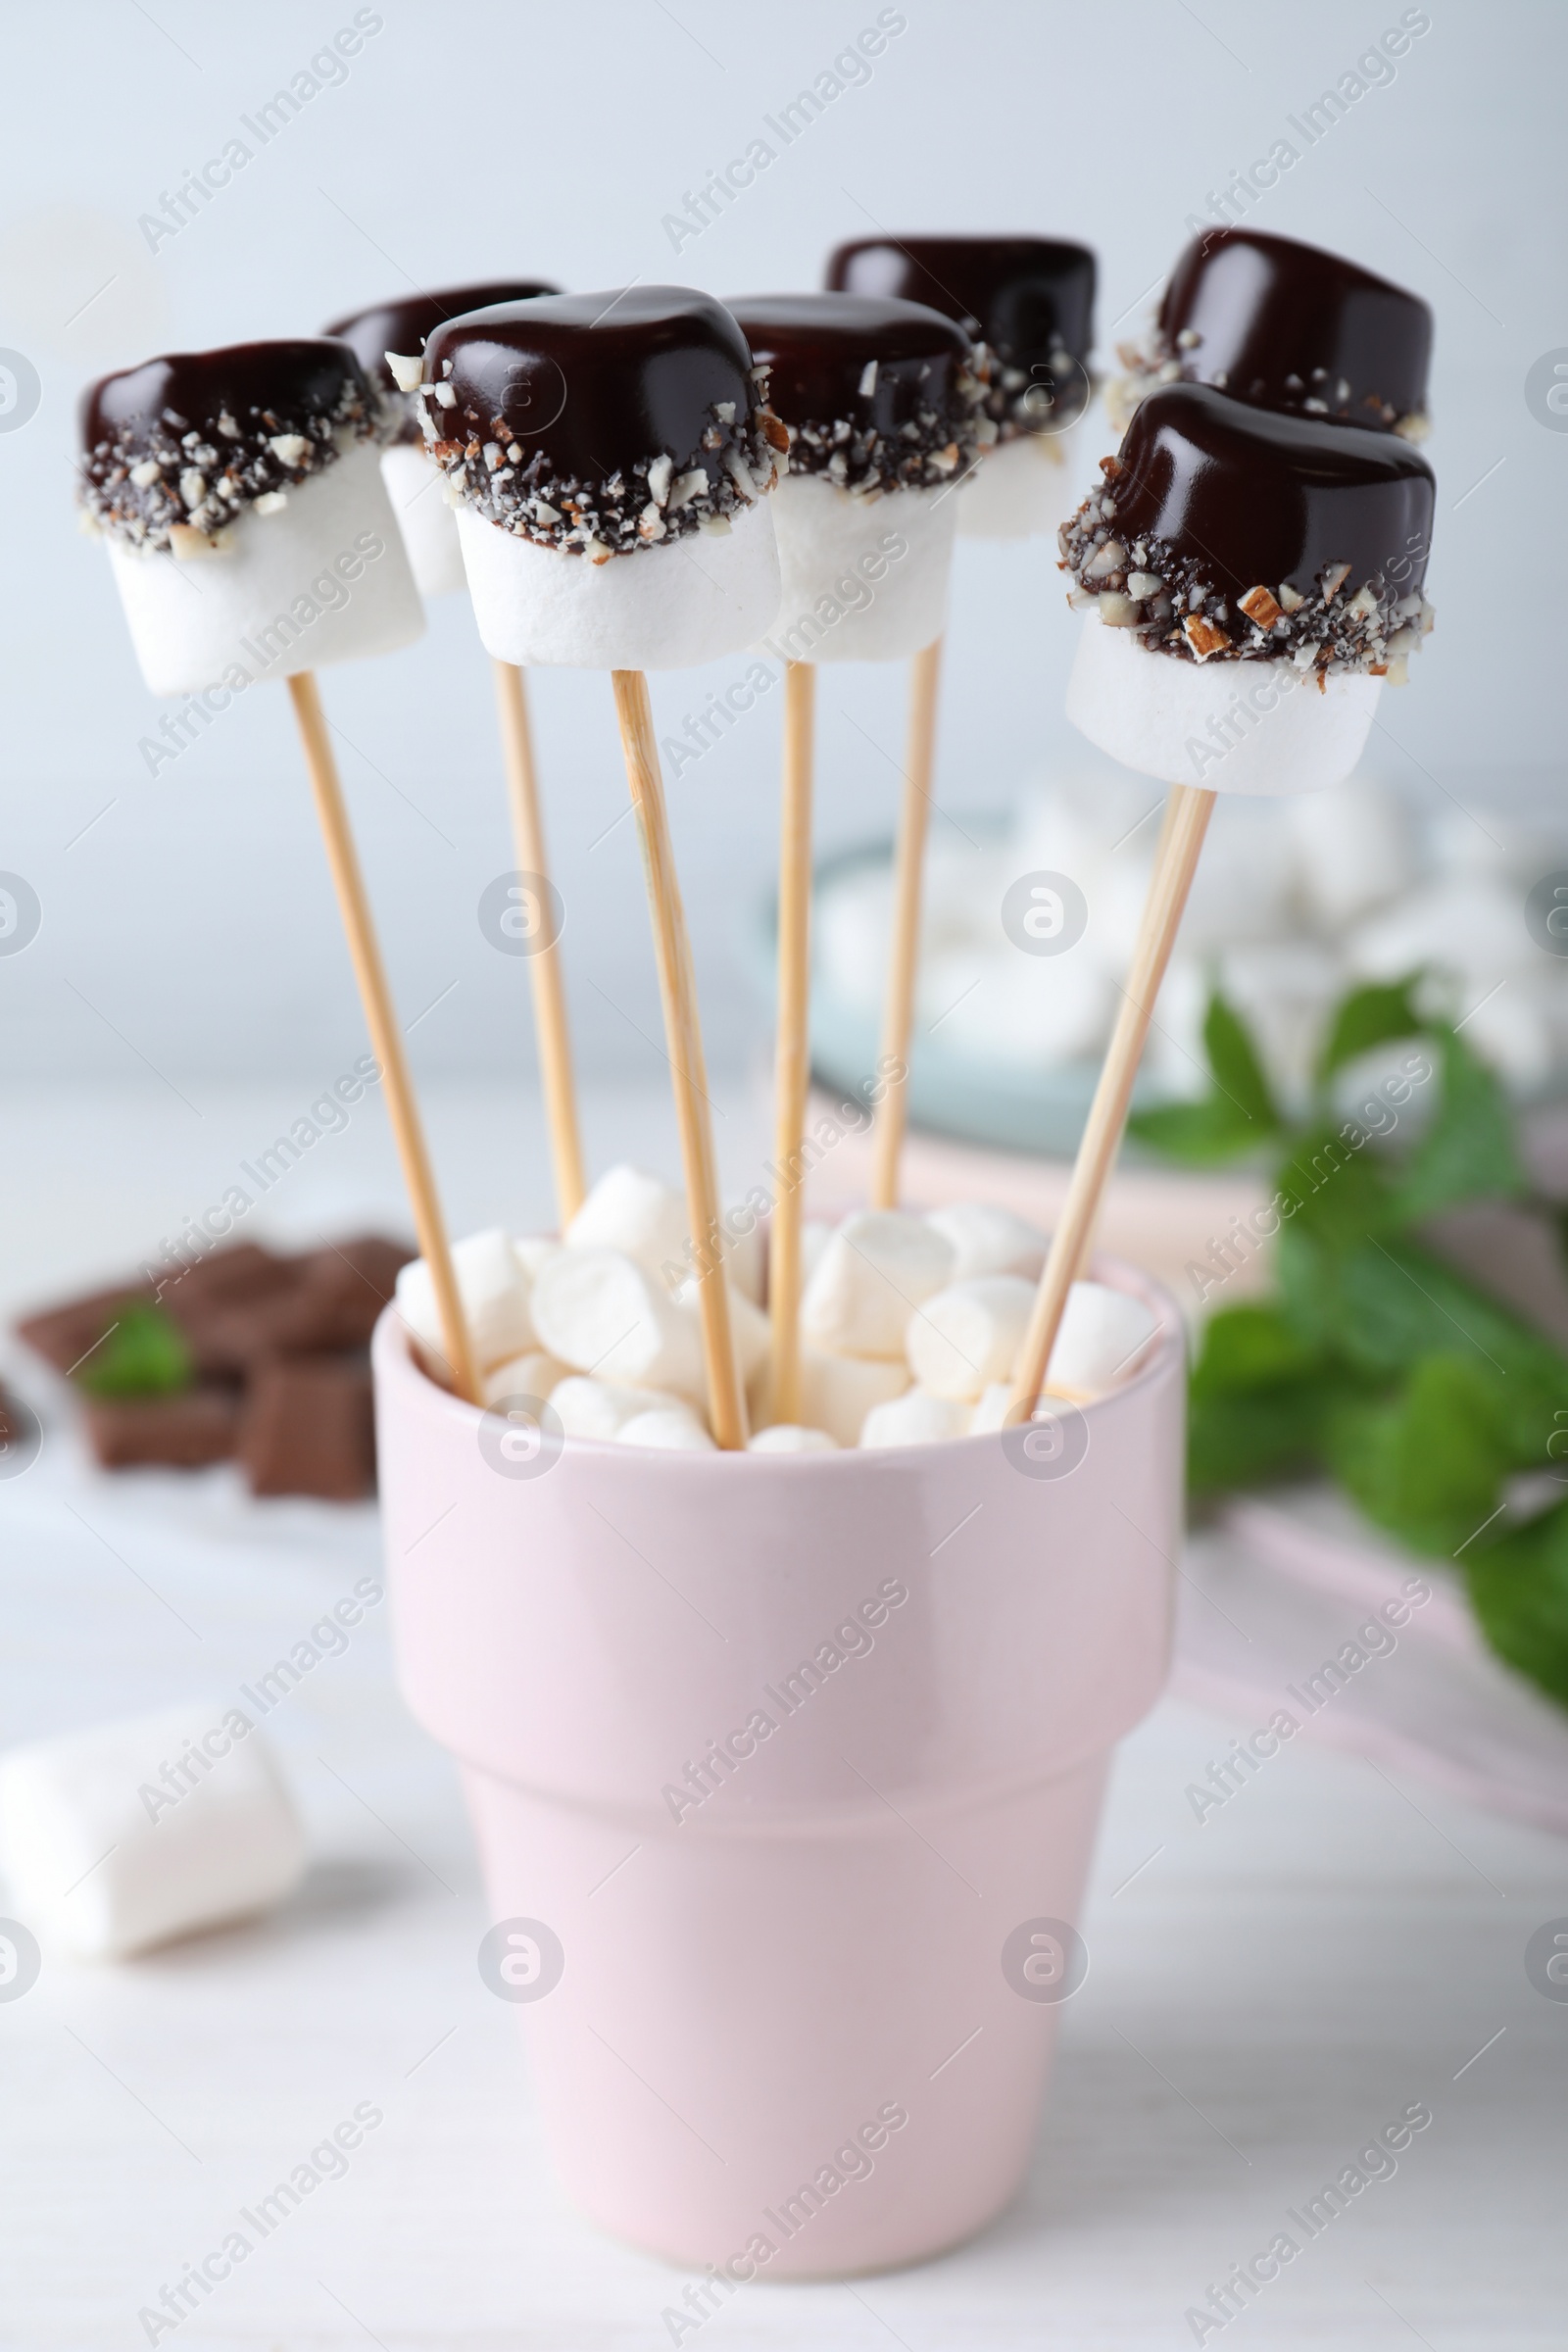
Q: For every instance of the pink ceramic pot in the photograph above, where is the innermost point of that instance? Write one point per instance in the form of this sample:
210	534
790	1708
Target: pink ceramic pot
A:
786	1772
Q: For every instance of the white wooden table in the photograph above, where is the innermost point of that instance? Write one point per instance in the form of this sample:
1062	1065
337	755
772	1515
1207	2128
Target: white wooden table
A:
1267	1989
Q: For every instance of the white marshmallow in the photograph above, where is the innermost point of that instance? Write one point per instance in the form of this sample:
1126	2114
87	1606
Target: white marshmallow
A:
815	1235
531	1374
835	546
748	1327
837	1391
531	1249
915	1419
876	1269
598	1408
1152	711
670	1427
634	1213
969	1335
106	1857
602	1314
745	1261
416	487
991	1412
790	1437
992	1003
492	1289
987	1239
1100	1333
1021	488
1354	848
667	607
193	621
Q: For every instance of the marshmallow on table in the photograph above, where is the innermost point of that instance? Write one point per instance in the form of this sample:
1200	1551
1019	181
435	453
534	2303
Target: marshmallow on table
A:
588	540
387	341
1353	849
1251	577
790	1437
874	1271
602	1408
988	1239
1029	304
969	1334
603	1313
254	539
881	404
916	1418
493	1290
118	1839
1101	1333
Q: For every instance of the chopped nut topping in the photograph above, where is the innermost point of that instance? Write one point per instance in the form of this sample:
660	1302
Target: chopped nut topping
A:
1202	636
1259	605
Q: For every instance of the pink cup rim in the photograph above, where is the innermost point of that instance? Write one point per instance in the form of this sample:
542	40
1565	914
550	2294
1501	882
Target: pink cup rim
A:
393	1357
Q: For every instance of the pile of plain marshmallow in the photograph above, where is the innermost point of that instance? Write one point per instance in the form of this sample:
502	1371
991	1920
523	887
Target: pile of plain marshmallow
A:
1294	903
909	1325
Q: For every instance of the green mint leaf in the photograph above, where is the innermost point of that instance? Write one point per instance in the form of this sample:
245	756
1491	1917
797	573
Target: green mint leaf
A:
1468	1152
1367	1017
1198	1134
1249	1347
1428	1464
1332	1185
145	1355
1243	1439
1237	1069
1518	1587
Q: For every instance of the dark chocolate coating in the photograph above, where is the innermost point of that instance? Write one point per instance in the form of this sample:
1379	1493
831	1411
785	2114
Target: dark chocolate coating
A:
1020	295
403	326
1284	324
596	382
290	383
1251	495
816	348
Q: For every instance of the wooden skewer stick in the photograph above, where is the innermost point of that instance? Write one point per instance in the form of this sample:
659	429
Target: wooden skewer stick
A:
898	1012
684	1035
1175	863
544	966
386	1038
792	1062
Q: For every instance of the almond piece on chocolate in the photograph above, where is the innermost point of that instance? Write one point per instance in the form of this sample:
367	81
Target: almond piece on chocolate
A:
1259	605
1202	636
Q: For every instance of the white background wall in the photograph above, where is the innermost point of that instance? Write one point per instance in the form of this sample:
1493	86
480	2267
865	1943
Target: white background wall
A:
187	920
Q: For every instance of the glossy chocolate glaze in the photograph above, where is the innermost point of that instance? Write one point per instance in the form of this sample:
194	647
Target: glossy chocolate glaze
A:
595	409
1251	494
874	392
1290	327
403	326
241	422
1030	300
1226	528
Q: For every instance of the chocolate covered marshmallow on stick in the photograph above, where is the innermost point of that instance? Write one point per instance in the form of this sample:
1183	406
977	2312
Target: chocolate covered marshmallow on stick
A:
240	497
1250	575
881	405
1028	305
610	458
389	340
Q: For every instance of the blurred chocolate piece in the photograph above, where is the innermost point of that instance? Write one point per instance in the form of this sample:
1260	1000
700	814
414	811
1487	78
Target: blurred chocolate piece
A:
877	395
308	1427
177	1433
320	1304
1286	325
65	1336
1030	300
403	326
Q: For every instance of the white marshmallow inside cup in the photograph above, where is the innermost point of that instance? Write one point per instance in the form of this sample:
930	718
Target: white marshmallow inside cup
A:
120	1838
635	1213
322	579
1229	727
673	606
875	1270
1020	489
862	579
416	487
916	1418
494	1292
